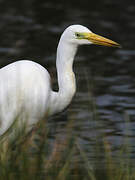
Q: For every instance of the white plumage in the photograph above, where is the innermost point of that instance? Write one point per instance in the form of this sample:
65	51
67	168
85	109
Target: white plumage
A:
25	89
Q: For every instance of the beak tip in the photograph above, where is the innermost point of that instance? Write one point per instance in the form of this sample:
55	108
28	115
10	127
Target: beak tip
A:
118	46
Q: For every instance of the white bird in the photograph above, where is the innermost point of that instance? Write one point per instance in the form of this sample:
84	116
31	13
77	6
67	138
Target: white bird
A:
25	87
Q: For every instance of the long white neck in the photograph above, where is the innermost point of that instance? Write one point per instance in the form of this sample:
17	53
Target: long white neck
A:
66	78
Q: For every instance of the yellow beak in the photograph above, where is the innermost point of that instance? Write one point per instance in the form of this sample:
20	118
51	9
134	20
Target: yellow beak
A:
96	39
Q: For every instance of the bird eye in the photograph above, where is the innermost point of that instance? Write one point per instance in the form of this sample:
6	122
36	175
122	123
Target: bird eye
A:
77	35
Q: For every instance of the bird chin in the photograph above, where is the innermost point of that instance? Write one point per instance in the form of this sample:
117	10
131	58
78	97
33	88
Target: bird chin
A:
85	42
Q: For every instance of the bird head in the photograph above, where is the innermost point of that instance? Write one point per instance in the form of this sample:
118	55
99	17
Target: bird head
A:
79	35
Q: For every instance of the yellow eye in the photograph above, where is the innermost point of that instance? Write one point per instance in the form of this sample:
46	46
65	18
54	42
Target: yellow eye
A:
77	35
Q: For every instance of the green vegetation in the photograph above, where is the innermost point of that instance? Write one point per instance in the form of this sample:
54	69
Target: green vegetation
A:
31	156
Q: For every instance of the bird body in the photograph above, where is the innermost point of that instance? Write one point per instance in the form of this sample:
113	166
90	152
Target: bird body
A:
24	91
25	87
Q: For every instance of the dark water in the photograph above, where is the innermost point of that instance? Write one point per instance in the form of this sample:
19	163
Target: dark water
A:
105	96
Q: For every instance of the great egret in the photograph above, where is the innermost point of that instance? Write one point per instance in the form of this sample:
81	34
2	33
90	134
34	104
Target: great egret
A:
25	87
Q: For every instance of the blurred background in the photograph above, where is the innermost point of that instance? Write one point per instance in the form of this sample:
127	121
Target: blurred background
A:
105	98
